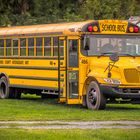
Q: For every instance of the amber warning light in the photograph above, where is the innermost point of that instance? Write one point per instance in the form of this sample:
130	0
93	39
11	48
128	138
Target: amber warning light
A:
92	28
134	29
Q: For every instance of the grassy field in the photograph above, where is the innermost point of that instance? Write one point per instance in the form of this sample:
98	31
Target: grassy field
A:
75	134
34	108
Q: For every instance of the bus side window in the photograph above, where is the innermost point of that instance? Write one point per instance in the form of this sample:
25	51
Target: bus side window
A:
61	45
8	47
22	46
30	46
73	53
1	47
39	46
15	47
55	46
47	46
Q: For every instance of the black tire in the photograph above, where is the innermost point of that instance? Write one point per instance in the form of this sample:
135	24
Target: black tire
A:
4	88
84	103
95	99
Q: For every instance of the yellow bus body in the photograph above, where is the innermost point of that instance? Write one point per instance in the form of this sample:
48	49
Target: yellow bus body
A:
44	67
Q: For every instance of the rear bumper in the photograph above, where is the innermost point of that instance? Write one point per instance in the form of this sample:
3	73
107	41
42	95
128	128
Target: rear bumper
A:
127	93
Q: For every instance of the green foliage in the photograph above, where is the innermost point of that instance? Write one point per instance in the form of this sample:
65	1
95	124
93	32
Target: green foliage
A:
25	12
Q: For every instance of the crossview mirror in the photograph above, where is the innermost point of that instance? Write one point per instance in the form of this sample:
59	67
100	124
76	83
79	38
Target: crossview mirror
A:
114	57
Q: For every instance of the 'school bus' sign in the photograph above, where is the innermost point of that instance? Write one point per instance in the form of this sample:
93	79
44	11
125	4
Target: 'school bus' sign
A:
111	26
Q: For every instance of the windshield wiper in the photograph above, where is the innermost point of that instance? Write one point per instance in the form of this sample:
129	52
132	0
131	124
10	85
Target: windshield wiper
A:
127	54
121	54
106	53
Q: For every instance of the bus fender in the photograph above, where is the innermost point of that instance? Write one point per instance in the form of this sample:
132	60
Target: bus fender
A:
5	75
87	82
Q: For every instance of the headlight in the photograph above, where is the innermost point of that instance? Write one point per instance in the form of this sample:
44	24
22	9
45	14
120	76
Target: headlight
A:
112	81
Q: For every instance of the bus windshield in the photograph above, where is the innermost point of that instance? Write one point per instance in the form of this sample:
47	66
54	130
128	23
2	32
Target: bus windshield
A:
123	45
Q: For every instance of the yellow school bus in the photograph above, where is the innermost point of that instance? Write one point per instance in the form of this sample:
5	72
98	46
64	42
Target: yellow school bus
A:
87	62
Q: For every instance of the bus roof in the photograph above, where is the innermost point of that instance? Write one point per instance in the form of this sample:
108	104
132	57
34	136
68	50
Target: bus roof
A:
44	28
104	26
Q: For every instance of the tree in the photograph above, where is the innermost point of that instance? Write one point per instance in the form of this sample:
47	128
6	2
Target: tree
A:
25	12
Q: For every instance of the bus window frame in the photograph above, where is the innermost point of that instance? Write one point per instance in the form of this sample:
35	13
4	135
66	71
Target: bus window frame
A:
15	47
47	46
10	47
39	46
25	46
2	46
31	47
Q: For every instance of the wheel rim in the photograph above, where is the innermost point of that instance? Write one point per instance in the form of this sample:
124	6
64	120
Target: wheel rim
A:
92	96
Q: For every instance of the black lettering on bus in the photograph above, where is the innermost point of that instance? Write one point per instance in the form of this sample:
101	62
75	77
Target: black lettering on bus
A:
1	61
7	61
103	27
123	28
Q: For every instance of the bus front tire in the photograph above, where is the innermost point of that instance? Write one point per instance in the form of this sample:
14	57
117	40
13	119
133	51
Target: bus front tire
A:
95	99
4	88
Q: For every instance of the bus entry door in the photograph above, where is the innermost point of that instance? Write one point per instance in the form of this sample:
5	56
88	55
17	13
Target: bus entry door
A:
68	71
72	71
62	69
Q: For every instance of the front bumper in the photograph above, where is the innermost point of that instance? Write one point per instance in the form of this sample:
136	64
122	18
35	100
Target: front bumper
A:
127	93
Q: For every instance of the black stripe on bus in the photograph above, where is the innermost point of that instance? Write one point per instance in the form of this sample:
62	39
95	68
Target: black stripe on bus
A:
34	78
30	67
34	87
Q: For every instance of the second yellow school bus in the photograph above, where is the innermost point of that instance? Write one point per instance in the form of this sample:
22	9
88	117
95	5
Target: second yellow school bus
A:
85	63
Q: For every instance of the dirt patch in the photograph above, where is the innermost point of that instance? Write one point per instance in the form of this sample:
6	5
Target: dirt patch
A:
70	125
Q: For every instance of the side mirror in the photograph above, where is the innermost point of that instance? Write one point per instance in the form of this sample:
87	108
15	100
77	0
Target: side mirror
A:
87	44
86	47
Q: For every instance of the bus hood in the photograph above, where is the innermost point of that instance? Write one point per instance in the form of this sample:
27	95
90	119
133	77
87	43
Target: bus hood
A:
127	69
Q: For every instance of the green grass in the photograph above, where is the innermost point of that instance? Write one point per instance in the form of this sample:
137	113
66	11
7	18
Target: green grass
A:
48	109
75	134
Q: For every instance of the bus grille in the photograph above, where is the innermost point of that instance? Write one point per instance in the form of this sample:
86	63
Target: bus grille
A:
132	75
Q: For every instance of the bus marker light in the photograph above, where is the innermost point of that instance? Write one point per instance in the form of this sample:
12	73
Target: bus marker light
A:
131	29
95	28
136	29
90	29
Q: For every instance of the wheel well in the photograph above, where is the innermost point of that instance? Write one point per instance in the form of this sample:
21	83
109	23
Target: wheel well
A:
3	74
88	80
